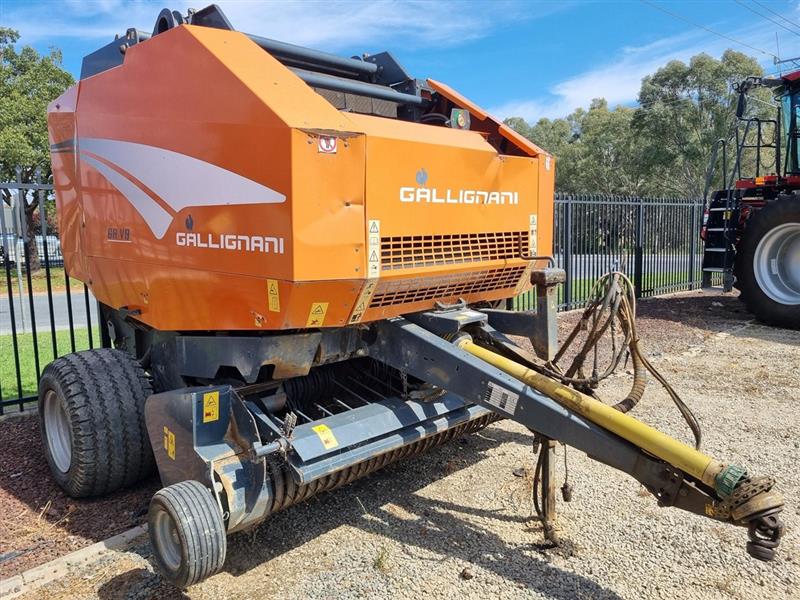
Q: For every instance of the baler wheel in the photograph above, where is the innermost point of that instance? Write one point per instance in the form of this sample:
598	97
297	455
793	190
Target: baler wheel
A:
187	533
91	417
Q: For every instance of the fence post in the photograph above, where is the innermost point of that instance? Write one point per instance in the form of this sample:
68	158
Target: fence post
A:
19	216
693	233
638	249
568	252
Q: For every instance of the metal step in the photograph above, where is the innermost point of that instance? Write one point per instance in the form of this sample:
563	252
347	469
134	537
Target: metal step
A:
714	270
715	249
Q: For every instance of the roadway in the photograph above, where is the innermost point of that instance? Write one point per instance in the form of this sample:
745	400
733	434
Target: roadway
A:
42	313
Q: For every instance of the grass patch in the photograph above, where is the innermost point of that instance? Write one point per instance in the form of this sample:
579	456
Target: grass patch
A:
38	281
382	561
27	364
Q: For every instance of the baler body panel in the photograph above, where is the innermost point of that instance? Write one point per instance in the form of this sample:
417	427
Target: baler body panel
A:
196	185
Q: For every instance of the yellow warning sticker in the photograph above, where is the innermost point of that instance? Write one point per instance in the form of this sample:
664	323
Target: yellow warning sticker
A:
210	407
273	293
325	436
363	300
169	443
316	316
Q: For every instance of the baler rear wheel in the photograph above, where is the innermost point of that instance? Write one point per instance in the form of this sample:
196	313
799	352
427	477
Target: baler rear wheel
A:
91	416
187	533
768	263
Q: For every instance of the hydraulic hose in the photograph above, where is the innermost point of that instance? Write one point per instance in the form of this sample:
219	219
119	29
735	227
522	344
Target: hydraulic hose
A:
676	453
613	307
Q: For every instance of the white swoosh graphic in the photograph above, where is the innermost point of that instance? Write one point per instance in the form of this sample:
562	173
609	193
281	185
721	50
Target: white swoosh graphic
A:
157	218
177	179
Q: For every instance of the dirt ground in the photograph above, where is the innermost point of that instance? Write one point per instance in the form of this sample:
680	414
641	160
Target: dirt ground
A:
456	521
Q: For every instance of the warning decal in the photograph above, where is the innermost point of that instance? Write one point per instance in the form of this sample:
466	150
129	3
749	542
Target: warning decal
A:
273	294
533	232
327	144
363	300
374	248
316	316
325	436
504	399
210	407
169	443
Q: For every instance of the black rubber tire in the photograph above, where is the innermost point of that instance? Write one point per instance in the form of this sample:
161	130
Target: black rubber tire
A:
103	392
778	212
197	520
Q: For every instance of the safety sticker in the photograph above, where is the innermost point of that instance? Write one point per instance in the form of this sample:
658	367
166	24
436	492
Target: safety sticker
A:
504	399
169	443
273	293
363	300
210	407
325	436
327	144
532	234
373	248
316	316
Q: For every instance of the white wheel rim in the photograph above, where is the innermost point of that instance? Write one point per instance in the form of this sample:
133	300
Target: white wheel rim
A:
58	430
776	264
168	544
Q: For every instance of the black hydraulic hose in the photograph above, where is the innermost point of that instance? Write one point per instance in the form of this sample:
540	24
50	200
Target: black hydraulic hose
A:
613	307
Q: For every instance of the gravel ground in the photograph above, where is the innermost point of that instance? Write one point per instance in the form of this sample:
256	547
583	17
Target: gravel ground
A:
38	522
456	521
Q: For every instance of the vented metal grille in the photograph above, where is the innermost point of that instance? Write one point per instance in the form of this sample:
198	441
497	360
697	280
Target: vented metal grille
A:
391	293
407	251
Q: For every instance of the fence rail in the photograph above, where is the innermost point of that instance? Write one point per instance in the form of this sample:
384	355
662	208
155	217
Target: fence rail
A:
42	316
654	241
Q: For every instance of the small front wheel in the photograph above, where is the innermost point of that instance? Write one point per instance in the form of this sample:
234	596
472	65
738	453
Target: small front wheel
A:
187	533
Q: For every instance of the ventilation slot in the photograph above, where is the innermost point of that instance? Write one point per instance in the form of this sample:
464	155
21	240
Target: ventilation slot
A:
434	288
409	251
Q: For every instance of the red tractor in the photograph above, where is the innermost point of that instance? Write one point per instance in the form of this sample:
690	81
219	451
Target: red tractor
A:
751	227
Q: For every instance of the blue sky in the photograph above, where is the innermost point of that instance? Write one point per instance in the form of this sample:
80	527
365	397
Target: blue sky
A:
514	57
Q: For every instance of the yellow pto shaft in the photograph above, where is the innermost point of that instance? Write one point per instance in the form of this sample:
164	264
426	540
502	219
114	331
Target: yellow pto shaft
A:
649	439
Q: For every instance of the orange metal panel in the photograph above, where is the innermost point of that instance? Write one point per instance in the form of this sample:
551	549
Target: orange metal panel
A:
480	114
260	225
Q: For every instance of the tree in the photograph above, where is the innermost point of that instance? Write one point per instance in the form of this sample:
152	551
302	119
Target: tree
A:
597	150
684	109
28	82
661	147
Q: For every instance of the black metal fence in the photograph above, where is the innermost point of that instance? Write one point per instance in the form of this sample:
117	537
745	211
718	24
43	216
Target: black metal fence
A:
655	241
45	314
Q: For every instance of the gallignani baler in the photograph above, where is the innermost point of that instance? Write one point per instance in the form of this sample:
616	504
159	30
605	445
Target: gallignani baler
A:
300	260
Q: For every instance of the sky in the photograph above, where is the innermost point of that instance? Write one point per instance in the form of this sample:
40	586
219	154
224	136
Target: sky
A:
513	57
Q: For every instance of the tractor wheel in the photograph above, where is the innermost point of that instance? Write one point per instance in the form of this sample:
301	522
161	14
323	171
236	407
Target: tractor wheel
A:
187	533
91	416
768	263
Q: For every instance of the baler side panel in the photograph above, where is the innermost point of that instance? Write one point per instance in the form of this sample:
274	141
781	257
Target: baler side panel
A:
61	129
328	214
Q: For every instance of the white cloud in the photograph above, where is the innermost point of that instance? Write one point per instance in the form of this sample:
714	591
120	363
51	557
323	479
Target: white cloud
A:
332	24
619	81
